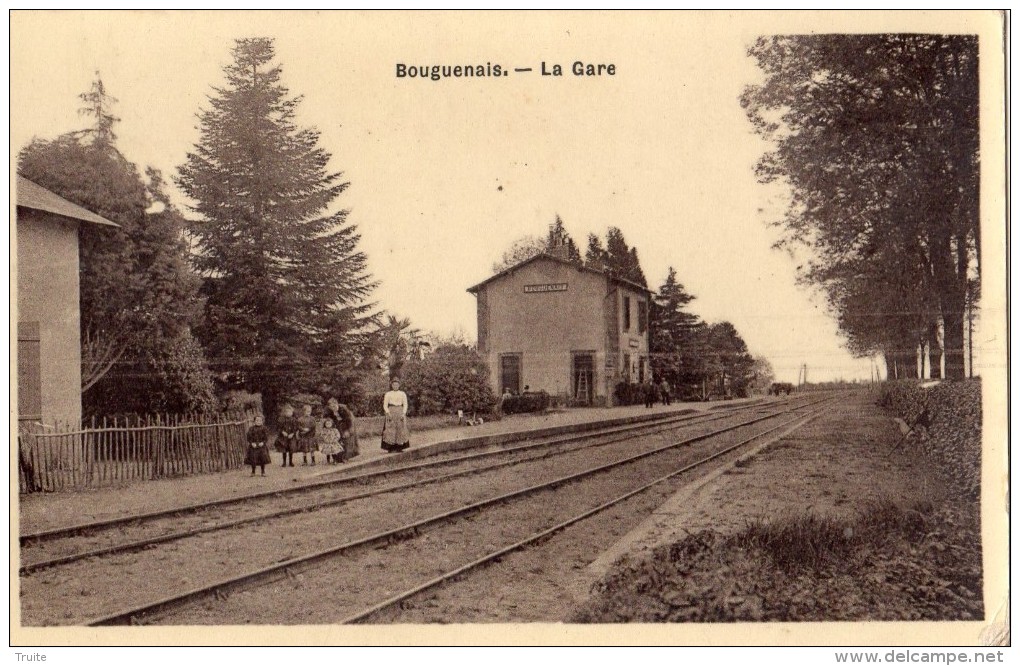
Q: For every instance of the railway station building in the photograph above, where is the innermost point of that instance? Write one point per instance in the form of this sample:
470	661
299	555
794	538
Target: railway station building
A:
49	341
548	324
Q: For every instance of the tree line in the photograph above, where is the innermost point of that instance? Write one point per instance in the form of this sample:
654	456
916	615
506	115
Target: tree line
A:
876	138
262	287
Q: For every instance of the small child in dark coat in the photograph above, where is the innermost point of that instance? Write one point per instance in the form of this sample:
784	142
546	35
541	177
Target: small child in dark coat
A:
286	442
306	434
257	454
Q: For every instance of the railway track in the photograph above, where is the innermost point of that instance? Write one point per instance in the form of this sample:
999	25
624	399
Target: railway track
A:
535	496
46	549
394	604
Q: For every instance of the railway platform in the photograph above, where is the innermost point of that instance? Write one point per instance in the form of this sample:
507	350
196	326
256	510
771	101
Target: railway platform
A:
45	511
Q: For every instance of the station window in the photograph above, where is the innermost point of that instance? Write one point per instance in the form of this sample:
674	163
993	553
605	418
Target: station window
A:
626	313
642	317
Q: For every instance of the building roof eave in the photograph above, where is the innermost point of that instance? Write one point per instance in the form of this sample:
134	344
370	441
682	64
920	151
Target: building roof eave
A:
586	269
36	197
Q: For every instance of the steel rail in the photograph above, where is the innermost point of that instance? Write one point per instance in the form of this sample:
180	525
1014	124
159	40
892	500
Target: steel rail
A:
140	544
63	532
544	534
281	570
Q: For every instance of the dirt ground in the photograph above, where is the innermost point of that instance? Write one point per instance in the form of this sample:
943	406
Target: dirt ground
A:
839	465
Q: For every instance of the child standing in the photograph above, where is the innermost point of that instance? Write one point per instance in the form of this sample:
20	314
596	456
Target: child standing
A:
258	449
329	442
287	440
306	434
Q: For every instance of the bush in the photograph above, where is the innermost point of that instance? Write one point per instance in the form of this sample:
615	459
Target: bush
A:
450	378
240	401
629	394
947	426
529	402
346	384
167	376
881	565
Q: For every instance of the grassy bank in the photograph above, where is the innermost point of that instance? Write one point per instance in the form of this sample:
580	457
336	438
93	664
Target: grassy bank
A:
886	562
890	564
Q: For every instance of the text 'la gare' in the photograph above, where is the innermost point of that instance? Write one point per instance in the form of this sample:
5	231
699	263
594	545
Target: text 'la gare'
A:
580	68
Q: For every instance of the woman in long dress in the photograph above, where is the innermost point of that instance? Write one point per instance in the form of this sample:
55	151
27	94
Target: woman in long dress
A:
343	420
395	436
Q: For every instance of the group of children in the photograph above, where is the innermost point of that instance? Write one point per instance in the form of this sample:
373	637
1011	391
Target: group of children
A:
303	434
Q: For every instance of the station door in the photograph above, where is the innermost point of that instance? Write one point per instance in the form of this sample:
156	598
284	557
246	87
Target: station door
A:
583	377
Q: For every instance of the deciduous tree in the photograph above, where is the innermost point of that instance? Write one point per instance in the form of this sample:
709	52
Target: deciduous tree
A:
138	295
877	138
523	248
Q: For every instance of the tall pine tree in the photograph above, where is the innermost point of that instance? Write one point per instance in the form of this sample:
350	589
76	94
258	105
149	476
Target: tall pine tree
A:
284	281
596	256
677	337
622	259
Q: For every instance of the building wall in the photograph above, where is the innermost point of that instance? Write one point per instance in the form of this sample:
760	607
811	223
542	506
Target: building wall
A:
632	342
545	326
48	294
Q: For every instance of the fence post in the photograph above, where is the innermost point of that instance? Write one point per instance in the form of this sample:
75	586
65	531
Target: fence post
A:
159	464
26	468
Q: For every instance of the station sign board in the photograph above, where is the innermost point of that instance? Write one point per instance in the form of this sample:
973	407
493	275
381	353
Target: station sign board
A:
544	288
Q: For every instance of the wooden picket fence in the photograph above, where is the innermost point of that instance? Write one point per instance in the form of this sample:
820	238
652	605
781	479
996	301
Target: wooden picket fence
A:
112	451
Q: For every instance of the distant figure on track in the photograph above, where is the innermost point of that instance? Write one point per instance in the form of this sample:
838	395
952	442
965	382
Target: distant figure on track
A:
286	441
306	434
395	437
257	453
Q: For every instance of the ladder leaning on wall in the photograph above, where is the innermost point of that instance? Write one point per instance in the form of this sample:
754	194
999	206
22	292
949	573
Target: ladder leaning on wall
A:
582	392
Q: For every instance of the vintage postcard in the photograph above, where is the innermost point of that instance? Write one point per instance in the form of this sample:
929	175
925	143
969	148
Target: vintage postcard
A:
520	328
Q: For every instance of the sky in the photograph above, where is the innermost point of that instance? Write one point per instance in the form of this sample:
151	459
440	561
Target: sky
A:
446	175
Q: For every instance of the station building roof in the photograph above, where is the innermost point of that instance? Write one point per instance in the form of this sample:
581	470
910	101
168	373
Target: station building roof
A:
549	257
37	197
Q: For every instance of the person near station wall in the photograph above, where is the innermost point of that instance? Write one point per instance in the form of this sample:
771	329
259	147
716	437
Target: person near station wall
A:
395	437
651	392
666	391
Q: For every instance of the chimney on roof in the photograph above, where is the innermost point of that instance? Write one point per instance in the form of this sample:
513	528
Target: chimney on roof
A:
556	247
